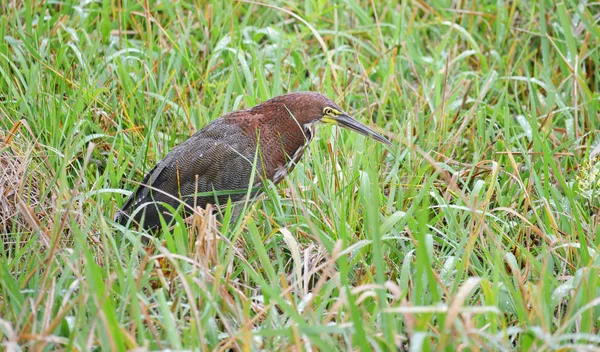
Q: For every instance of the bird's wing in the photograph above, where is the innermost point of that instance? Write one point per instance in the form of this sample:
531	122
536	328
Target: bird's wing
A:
219	158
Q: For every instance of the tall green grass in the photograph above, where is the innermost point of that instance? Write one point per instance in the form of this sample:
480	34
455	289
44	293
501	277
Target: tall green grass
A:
477	230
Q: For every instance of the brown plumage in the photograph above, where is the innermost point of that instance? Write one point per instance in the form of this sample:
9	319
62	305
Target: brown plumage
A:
216	163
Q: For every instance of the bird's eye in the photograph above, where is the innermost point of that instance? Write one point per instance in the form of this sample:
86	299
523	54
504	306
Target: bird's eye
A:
327	111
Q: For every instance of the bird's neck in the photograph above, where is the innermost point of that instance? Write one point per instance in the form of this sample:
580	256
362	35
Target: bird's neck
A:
289	144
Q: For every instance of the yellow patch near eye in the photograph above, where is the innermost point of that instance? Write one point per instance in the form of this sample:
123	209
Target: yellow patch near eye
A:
328	119
328	111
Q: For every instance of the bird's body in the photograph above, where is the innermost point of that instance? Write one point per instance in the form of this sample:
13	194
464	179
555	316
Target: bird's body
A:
218	162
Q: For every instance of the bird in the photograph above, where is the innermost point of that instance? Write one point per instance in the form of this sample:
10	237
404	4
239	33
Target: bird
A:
231	157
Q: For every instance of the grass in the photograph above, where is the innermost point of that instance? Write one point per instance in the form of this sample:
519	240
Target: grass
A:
478	230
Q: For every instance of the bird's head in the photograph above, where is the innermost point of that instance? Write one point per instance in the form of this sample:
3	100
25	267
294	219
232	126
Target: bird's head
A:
309	108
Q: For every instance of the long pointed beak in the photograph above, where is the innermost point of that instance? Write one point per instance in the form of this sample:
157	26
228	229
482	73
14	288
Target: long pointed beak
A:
348	122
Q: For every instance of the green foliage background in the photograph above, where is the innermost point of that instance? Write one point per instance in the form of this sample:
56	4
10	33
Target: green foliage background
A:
477	230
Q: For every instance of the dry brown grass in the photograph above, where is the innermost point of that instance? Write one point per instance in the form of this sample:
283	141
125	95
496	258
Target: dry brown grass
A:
24	203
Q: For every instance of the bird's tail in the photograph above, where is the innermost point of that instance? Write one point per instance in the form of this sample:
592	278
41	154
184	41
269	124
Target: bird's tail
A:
121	217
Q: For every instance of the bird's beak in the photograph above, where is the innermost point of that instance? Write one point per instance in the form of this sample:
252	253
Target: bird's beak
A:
346	121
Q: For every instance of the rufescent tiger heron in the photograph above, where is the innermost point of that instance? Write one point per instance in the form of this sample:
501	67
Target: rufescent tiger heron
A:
235	152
